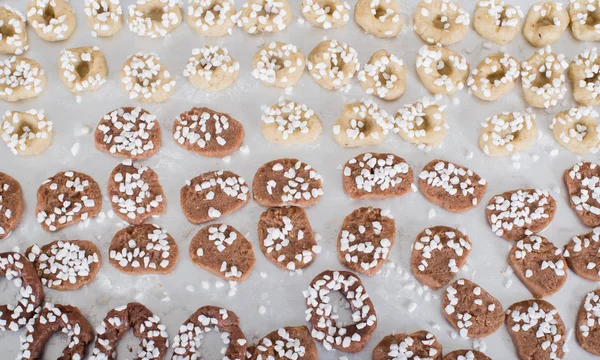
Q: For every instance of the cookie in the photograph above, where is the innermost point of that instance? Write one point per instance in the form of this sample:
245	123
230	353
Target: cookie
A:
21	78
365	240
442	22
450	186
383	76
258	17
379	18
211	67
326	15
587	330
322	314
144	78
154	18
223	251
422	123
497	21
545	22
11	204
287	182
212	195
105	18
495	76
290	342
278	64
208	132
466	355
577	130
544	89
507	133
539	265
52	20
519	213
418	345
27	133
438	254
377	176
441	70
471	310
67	198
143	249
584	21
536	329
583	73
582	254
65	265
361	124
135	192
332	64
211	17
286	238
581	181
290	123
82	69
14	39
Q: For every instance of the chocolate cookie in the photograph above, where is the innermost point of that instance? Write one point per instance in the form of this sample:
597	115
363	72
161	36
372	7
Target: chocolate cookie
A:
377	176
582	180
65	265
223	251
208	133
539	265
135	192
290	342
536	329
439	252
321	312
65	319
582	254
30	298
146	326
206	319
471	310
365	240
588	323
466	355
418	345
286	182
143	249
450	186
11	204
286	238
519	213
67	198
212	195
128	132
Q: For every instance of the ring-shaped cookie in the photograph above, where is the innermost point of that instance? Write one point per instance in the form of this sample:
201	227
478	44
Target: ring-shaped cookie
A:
361	124
494	77
290	123
332	64
585	19
83	68
26	133
264	16
545	23
11	202
13	31
211	17
543	78
144	78
507	133
52	20
326	14
380	18
21	78
584	73
442	71
577	130
441	22
422	123
497	21
104	17
211	68
154	18
278	64
384	76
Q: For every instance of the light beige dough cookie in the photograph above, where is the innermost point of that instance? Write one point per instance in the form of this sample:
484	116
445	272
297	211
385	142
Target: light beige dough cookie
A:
144	78
26	133
585	19
290	123
383	76
422	123
21	78
264	16
154	18
83	68
278	64
545	22
543	78
211	17
441	22
494	77
211	68
361	124
584	73
380	18
507	133
13	31
577	130
332	64
104	17
52	20
326	14
497	21
441	70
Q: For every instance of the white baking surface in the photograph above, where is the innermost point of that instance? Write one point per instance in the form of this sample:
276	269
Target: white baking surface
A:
174	297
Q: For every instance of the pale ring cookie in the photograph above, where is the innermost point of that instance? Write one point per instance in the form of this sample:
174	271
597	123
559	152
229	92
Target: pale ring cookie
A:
21	78
13	31
584	73
211	17
442	70
441	22
211	68
507	133
422	123
585	19
83	68
154	18
278	64
494	77
384	76
380	18
104	17
52	20
361	124
497	21
264	16
145	78
332	64
290	123
326	14
543	78
26	133
545	23
577	130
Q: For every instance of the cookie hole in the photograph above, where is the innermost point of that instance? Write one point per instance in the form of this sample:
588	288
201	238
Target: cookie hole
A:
541	80
49	14
127	346
277	63
82	69
156	14
545	21
326	5
7	30
441	22
341	313
211	346
444	67
55	345
380	11
8	292
496	76
23	128
592	18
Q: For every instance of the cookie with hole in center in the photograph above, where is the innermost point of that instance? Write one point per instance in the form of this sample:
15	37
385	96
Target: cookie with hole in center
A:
581	181
418	345
11	204
587	330
582	254
466	355
290	342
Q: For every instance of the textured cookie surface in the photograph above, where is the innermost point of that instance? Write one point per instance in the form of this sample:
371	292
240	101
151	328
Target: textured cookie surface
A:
582	254
418	345
11	204
466	355
587	330
582	180
290	342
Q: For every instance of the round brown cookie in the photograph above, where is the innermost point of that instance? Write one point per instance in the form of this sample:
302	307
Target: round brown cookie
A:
223	251
290	342
582	254
146	326
471	310
418	345
587	331
208	133
582	181
67	198
322	314
212	195
536	329
450	186
519	213
286	238
135	192
65	265
377	176
439	252
539	265
64	319
143	249
30	297
287	182
129	132
11	204
204	320
365	240
466	355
